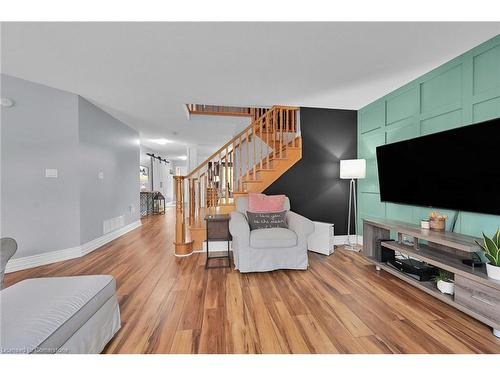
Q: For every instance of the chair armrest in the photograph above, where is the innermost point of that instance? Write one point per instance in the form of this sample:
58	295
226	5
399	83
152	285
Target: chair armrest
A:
301	225
239	228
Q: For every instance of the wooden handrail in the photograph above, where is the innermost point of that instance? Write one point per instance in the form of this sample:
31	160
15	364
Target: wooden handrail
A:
223	110
249	127
234	168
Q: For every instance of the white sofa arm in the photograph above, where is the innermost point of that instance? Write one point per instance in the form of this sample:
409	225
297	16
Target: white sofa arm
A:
239	228
301	225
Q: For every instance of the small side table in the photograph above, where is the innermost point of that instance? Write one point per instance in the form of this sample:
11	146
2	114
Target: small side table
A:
218	230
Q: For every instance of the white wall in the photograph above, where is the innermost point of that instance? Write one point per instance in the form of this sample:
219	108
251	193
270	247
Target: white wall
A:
49	128
40	131
109	147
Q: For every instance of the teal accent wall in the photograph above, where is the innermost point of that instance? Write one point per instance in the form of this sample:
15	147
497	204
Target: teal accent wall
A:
462	91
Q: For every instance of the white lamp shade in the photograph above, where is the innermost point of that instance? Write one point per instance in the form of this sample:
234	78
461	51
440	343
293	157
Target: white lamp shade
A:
353	168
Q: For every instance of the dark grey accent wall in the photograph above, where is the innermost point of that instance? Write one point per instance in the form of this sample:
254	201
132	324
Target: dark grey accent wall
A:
313	184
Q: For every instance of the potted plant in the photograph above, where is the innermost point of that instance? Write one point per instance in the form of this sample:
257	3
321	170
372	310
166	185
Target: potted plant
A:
491	248
444	282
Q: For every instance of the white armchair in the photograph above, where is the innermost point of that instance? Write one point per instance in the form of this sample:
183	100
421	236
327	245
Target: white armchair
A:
269	249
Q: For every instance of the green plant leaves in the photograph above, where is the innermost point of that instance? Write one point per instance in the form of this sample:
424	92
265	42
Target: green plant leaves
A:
491	248
497	238
443	276
490	258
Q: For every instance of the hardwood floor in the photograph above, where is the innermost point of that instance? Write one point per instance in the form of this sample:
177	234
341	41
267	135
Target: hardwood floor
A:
339	305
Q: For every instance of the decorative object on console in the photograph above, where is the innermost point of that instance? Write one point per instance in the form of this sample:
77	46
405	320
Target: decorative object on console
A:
158	203
491	247
444	282
352	169
437	221
425	224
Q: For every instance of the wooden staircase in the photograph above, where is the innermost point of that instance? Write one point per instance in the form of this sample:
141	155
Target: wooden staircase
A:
250	162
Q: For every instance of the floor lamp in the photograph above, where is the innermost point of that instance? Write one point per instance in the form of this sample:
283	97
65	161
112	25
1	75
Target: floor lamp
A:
352	170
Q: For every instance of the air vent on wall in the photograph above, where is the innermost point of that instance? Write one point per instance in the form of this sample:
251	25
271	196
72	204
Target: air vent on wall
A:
113	224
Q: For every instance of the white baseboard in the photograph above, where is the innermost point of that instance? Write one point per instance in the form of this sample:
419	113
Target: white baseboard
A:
337	240
360	240
342	240
18	264
217	246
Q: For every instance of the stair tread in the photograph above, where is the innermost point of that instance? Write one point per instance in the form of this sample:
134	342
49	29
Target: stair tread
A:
264	170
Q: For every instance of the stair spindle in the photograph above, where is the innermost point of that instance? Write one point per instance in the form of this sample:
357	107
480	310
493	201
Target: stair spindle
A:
294	124
261	141
248	156
281	133
226	179
240	165
275	137
254	141
267	140
233	176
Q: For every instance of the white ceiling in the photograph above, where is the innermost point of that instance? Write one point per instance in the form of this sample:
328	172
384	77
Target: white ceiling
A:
143	73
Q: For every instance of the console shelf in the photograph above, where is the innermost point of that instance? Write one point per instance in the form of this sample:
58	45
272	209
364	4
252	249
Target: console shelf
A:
475	293
444	260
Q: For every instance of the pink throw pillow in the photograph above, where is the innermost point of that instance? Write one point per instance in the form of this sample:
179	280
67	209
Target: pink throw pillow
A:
265	203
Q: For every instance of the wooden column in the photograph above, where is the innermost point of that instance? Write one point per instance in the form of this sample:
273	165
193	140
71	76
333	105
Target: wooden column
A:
181	246
192	201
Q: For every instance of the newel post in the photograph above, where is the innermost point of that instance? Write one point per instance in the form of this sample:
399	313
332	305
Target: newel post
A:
181	246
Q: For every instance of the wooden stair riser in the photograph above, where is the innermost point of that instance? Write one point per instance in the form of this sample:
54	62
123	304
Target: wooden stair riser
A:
274	141
282	165
276	162
261	173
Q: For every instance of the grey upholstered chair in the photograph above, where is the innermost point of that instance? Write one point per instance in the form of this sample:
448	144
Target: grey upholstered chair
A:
269	249
8	247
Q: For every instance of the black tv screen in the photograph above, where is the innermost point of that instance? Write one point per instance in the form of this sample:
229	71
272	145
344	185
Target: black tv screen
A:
457	169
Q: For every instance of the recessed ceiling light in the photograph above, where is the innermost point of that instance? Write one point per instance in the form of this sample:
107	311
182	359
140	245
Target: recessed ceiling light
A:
182	157
161	141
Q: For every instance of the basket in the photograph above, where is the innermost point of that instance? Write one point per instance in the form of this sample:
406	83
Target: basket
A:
437	224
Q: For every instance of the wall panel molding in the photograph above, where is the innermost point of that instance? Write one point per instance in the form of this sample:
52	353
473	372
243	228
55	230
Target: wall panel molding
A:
462	91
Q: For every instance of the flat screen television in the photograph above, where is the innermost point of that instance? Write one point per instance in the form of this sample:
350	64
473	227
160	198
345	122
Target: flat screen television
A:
457	169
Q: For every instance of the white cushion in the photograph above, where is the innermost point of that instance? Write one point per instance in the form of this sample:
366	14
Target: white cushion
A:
272	238
40	315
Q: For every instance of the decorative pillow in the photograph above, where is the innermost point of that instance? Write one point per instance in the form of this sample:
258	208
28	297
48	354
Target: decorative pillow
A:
262	220
265	203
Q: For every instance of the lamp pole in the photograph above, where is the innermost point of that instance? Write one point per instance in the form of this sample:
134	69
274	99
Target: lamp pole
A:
352	192
352	170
